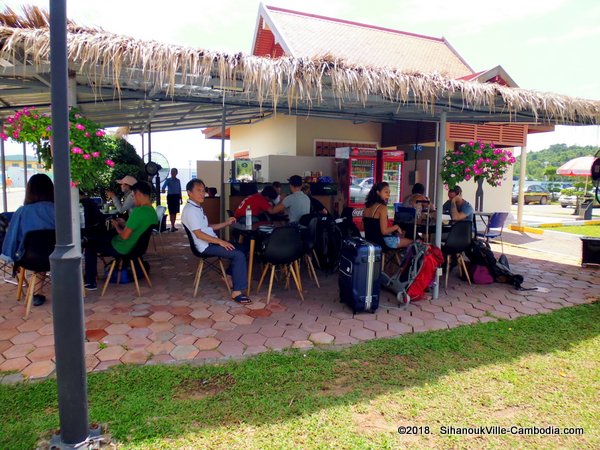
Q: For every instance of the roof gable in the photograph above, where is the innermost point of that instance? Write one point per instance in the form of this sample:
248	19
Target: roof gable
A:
307	35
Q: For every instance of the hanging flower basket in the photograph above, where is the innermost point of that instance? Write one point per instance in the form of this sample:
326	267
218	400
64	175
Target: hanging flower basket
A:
476	161
86	144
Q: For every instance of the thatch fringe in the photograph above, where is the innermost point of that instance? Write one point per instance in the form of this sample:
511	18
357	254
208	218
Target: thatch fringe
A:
109	60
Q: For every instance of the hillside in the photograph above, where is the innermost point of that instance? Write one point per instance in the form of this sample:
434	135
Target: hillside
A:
555	156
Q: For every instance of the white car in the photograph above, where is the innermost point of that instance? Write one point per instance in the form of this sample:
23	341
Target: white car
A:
567	200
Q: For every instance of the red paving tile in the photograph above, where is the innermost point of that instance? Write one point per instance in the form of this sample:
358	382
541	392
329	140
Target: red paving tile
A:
166	324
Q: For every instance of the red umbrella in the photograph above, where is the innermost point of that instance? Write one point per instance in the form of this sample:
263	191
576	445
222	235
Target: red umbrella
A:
577	167
581	166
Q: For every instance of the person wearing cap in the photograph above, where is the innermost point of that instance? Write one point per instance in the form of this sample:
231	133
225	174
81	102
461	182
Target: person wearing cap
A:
259	203
127	204
174	200
316	207
297	203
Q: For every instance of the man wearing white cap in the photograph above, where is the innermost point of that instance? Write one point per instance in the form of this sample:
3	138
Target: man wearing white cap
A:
128	203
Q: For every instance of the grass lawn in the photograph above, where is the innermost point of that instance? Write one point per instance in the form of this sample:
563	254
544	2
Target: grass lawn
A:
584	230
534	371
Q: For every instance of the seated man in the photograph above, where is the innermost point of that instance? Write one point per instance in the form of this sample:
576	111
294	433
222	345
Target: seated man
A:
316	207
459	208
124	235
207	242
259	203
297	203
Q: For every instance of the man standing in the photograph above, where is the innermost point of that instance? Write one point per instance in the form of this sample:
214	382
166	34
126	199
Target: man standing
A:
174	199
297	203
207	242
127	234
127	204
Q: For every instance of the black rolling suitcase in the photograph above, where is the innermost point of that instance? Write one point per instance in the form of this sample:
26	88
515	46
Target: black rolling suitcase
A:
359	271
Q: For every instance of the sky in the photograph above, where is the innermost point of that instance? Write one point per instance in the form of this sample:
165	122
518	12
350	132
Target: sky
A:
546	45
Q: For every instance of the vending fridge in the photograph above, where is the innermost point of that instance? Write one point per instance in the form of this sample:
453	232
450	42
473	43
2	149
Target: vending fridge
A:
390	164
357	171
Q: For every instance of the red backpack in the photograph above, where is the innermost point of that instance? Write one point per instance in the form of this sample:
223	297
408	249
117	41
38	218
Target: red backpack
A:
432	260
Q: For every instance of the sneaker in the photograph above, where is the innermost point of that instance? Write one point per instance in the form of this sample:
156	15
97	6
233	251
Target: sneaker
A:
90	286
38	300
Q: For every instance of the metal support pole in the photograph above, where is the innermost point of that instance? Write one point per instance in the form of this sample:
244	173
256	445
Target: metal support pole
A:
223	119
65	261
25	163
3	163
522	175
439	197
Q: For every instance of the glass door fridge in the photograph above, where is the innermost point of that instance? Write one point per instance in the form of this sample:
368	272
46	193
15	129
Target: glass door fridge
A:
392	162
363	165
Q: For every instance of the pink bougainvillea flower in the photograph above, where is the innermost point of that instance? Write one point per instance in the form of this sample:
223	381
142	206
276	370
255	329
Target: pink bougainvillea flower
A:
96	154
110	163
3	136
86	156
100	133
80	126
87	134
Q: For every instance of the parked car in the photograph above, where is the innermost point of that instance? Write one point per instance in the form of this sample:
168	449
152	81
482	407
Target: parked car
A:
534	193
567	200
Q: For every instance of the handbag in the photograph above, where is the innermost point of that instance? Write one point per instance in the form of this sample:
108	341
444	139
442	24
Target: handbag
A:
481	275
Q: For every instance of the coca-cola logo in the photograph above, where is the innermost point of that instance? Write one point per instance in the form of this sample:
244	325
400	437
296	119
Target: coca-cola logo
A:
357	212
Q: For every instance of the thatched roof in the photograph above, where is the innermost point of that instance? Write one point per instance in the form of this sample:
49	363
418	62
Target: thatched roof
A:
143	79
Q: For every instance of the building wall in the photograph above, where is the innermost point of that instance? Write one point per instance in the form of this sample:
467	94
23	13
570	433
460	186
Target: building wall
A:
311	129
274	136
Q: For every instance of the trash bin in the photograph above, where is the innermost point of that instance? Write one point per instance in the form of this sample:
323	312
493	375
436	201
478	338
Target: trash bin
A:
585	209
590	250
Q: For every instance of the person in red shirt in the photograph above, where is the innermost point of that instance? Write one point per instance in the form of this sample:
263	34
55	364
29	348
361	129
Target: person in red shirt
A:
259	203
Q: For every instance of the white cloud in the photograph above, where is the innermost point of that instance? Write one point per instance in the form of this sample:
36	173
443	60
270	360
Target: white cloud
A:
576	34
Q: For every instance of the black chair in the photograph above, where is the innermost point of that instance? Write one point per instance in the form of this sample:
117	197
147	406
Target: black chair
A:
202	258
309	238
373	234
458	240
282	248
135	255
38	245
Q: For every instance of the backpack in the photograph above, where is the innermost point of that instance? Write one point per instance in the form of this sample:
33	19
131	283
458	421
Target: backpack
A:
481	254
432	259
328	246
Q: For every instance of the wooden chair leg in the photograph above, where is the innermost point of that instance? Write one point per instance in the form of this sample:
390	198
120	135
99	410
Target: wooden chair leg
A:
297	281
271	283
262	277
146	276
464	266
224	275
20	282
110	272
30	291
296	264
198	276
135	278
316	259
311	268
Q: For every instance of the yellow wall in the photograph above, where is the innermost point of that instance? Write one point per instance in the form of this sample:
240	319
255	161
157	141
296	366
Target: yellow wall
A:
275	136
311	129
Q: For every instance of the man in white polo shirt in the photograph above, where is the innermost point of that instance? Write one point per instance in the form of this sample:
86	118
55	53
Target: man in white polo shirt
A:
207	242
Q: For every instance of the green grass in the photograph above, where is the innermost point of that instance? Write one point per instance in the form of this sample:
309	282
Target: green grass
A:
540	370
584	230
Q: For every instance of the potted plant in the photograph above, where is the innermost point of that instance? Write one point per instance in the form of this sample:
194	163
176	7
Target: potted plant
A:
477	161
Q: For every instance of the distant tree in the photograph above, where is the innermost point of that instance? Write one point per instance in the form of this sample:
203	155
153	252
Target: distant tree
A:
556	155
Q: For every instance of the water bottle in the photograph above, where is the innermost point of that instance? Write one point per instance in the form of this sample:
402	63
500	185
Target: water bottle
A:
248	217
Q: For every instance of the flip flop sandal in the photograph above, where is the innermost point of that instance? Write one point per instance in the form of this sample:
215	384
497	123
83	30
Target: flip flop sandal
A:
242	299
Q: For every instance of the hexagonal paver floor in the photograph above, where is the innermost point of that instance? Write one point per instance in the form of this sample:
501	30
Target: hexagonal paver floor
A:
166	323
